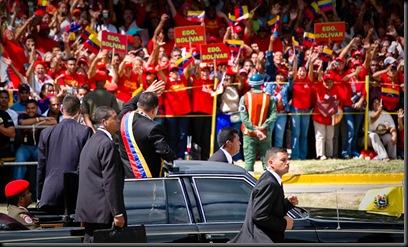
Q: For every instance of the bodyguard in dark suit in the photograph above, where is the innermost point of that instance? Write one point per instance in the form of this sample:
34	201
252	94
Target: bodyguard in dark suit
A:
143	143
228	140
59	148
101	178
266	217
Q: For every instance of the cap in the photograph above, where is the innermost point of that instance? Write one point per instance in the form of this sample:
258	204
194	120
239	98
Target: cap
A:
100	76
76	11
73	27
154	15
243	71
211	39
237	29
23	87
339	59
130	40
39	12
389	60
185	5
328	76
128	65
230	71
111	87
16	187
204	66
44	26
299	30
38	63
100	65
173	66
357	53
151	69
355	63
256	80
282	71
83	60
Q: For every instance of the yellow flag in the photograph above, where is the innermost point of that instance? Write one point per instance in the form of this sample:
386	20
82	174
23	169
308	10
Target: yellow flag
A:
388	201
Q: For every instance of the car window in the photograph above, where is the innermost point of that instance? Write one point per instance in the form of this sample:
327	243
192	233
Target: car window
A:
146	202
223	199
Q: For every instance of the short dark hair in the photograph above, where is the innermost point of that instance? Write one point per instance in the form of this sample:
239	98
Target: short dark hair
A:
273	151
13	200
5	92
102	112
71	105
226	134
72	59
148	101
85	87
32	101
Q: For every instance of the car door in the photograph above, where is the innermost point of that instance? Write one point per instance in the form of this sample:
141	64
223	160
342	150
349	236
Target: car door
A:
222	203
160	205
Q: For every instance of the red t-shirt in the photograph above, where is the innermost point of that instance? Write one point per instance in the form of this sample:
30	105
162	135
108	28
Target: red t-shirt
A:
201	100
347	90
390	100
301	93
212	26
321	93
127	85
70	80
176	98
263	44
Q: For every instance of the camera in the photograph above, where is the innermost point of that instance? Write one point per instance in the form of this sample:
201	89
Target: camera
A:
104	14
336	64
355	98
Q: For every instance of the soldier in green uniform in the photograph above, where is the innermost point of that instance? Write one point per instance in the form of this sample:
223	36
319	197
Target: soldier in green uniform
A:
258	112
19	198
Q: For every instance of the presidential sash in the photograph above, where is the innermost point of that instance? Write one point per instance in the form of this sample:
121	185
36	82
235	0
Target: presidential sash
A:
137	161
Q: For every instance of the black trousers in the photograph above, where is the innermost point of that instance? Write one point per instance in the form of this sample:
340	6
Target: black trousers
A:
91	227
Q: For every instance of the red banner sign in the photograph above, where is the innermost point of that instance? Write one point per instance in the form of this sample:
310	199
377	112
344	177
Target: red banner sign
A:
217	51
329	31
115	41
195	35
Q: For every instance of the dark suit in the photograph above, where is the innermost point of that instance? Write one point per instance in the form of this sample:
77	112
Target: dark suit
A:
101	182
151	138
219	156
264	222
59	148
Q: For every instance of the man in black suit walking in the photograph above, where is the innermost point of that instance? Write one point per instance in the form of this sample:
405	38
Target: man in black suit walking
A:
228	140
266	216
101	178
143	143
59	148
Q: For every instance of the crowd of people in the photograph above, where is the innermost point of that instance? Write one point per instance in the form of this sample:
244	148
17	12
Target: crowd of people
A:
45	57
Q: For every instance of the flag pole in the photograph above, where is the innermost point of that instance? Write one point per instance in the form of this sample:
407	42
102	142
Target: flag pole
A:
367	83
214	110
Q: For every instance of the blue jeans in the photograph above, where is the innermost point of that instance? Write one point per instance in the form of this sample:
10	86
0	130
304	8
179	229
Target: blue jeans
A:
23	154
353	123
177	128
300	128
279	126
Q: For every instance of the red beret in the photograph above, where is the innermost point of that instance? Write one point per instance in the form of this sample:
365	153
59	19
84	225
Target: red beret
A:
76	11
16	187
339	59
100	76
243	71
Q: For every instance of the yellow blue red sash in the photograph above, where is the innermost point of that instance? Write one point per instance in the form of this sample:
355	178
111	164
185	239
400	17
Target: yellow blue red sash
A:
136	159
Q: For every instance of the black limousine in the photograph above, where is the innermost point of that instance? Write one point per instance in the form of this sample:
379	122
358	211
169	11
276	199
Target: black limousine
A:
205	202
